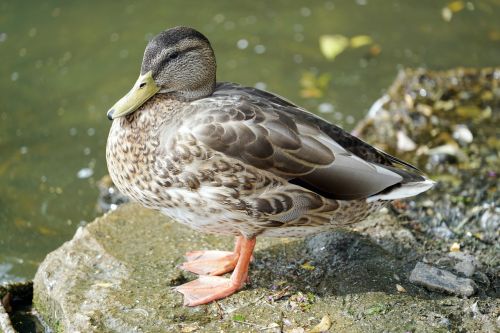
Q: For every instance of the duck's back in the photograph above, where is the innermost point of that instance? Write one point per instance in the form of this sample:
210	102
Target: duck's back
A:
272	134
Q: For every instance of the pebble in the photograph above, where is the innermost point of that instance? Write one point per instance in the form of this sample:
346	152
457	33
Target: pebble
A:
441	280
400	288
442	232
404	143
466	264
455	247
462	134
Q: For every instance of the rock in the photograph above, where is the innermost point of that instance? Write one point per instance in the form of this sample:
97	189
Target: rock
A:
117	274
5	324
465	264
443	232
440	280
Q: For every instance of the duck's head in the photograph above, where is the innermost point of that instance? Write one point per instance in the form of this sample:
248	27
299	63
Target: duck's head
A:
178	61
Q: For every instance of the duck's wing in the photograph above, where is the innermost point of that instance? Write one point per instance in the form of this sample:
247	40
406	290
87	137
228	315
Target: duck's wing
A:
270	133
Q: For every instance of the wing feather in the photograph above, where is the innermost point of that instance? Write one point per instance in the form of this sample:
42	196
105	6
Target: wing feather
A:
272	134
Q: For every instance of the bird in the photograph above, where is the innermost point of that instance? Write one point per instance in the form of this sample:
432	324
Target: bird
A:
228	159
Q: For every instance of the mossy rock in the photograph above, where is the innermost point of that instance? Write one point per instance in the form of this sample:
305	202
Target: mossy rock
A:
117	274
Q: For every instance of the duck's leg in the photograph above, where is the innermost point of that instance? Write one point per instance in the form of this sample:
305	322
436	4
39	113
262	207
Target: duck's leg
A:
206	262
209	288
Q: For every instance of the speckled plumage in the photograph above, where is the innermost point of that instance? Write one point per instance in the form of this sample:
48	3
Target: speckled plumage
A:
233	160
155	158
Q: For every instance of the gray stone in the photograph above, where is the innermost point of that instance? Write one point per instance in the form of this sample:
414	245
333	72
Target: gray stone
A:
117	274
441	280
465	264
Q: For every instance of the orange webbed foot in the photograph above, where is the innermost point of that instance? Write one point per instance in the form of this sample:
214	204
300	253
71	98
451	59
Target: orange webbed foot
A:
210	288
210	262
206	289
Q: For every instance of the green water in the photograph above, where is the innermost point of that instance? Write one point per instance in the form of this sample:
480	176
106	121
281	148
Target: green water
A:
64	63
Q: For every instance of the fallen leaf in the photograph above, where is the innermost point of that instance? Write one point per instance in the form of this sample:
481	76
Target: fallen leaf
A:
189	328
307	266
332	45
451	8
400	288
494	35
374	50
360	40
323	326
455	247
46	231
456	6
314	86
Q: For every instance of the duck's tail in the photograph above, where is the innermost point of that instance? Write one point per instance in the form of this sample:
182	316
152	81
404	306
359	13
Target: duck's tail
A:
412	184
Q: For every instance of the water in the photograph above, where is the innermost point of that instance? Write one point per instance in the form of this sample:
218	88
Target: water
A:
64	63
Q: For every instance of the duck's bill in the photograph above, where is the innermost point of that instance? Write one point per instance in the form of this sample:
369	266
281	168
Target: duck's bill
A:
143	89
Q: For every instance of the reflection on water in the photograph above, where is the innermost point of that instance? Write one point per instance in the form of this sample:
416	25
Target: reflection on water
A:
64	64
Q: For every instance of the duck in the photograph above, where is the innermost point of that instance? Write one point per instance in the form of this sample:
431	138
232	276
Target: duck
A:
228	159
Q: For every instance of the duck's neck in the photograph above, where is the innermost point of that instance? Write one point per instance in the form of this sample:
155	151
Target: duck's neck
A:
205	89
154	113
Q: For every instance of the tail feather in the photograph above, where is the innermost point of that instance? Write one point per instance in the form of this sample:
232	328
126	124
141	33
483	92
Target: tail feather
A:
403	190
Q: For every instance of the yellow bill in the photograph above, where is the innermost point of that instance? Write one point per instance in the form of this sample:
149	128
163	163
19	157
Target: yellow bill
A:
143	89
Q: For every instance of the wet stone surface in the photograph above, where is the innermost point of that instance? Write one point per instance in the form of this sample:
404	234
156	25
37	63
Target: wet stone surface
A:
441	280
100	281
385	274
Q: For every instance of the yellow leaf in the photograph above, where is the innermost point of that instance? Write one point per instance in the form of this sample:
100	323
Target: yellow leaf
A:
307	80
312	85
323	326
311	93
455	247
494	35
451	8
46	231
307	266
333	45
360	40
456	6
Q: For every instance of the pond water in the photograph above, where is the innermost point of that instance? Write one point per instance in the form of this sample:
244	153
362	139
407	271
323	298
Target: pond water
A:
65	63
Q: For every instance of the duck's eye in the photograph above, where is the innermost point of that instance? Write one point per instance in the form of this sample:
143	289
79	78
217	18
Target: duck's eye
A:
173	55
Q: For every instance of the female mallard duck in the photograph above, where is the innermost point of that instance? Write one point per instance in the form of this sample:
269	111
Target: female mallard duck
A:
235	160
